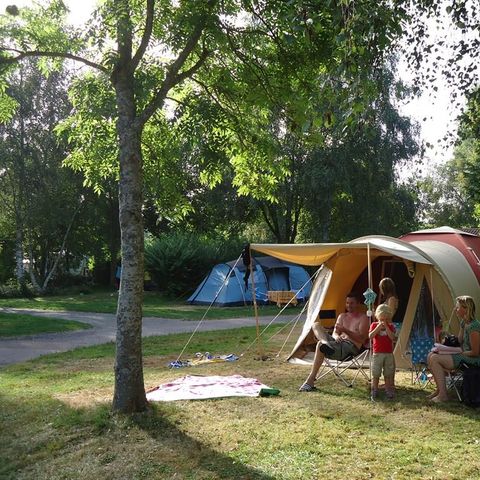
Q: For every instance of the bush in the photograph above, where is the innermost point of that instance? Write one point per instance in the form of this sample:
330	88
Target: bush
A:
7	260
12	289
66	279
178	262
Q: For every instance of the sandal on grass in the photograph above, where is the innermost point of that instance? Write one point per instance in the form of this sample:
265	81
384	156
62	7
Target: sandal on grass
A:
306	387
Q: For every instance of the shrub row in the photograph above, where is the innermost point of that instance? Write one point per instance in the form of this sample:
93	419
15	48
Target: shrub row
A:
178	262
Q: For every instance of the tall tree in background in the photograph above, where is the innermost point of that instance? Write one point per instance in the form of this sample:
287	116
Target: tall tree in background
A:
442	199
38	197
469	150
369	199
450	195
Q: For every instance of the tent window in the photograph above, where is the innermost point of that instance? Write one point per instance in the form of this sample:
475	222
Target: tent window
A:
324	314
278	278
425	320
397	271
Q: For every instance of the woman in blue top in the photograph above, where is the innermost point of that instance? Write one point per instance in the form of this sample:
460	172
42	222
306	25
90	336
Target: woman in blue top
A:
469	338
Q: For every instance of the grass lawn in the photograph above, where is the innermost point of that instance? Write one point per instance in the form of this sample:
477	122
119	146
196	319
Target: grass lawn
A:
56	423
155	305
12	324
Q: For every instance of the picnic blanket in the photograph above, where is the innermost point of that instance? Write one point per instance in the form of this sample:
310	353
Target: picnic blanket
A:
197	387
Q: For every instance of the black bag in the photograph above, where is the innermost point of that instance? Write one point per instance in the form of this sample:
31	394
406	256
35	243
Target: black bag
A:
471	386
451	341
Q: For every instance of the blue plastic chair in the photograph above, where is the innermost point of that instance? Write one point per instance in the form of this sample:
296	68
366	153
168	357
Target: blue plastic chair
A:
420	347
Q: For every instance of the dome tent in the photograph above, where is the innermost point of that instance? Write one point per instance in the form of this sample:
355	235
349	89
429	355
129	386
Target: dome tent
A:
430	268
225	285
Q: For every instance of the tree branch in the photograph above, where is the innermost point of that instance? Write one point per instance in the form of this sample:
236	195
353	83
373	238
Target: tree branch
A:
229	107
147	33
62	248
173	78
39	53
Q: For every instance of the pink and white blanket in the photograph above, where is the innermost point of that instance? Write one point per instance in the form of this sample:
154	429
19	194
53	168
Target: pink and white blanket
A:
196	387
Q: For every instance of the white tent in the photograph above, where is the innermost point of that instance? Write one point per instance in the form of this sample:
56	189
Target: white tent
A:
429	274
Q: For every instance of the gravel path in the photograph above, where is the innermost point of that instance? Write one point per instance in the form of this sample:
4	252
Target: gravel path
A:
20	349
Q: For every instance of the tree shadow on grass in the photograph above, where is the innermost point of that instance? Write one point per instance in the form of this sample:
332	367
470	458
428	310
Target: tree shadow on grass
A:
407	397
206	462
38	436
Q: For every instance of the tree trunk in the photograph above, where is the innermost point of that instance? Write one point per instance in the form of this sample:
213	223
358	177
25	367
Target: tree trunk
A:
31	270
129	395
19	267
49	274
114	237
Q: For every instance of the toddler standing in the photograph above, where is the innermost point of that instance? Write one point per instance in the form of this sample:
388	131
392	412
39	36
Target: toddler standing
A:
382	334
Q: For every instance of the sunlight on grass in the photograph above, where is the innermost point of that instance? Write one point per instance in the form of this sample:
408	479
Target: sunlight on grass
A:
154	305
56	423
12	324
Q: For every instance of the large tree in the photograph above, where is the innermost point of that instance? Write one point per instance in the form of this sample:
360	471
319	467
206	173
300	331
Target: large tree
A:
450	195
39	198
145	49
469	149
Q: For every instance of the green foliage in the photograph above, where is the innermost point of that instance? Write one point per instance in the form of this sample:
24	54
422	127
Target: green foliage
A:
38	197
450	194
8	105
7	256
90	131
468	151
306	64
12	289
177	262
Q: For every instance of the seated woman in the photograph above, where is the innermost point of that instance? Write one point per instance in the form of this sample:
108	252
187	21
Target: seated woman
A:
469	337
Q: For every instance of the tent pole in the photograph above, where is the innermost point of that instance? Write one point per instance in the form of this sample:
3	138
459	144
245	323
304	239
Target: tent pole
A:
433	306
369	267
261	353
369	313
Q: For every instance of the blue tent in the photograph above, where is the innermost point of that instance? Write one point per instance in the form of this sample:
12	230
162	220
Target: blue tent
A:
225	284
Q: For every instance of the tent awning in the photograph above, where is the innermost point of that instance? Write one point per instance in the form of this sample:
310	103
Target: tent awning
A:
318	253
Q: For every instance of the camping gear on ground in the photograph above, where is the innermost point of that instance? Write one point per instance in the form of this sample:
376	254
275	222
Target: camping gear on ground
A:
202	358
470	391
224	285
282	297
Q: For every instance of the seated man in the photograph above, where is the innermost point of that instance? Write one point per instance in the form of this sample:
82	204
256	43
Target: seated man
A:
349	335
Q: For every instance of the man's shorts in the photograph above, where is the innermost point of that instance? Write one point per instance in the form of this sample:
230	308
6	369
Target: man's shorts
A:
383	361
343	349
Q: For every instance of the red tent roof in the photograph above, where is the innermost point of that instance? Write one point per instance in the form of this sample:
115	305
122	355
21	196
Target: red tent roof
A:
467	243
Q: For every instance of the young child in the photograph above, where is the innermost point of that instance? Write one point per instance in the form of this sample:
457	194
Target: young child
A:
382	333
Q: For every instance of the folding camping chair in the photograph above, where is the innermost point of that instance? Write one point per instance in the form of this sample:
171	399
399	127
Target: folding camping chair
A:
420	346
358	362
454	380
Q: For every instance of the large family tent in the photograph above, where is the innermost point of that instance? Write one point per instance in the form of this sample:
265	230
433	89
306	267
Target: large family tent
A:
430	268
225	285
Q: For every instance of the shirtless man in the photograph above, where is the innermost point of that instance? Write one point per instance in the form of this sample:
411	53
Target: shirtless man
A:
349	334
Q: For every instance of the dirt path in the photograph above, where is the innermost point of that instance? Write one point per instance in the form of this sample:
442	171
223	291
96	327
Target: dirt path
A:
20	349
